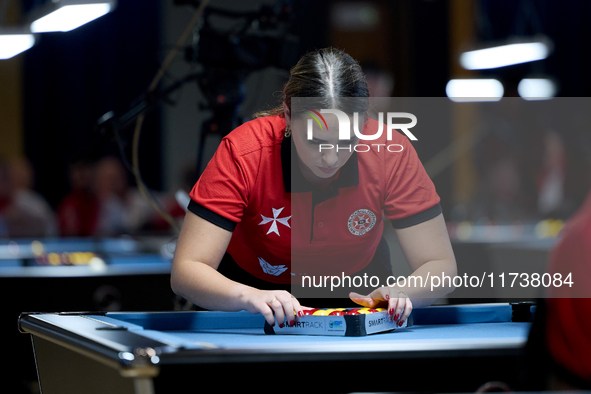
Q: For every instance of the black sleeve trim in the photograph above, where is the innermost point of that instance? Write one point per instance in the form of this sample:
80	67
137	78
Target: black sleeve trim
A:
417	217
211	216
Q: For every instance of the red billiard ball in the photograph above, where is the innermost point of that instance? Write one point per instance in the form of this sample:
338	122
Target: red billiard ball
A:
372	310
309	311
337	313
353	312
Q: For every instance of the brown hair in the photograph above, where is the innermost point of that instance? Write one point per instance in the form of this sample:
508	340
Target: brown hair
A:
327	74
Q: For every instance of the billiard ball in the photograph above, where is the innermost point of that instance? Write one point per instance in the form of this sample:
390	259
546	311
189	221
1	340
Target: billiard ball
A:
367	311
307	312
337	313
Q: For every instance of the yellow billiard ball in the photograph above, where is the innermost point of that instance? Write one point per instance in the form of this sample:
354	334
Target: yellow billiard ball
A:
322	312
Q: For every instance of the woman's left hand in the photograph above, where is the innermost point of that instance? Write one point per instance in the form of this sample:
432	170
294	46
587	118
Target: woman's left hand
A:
398	304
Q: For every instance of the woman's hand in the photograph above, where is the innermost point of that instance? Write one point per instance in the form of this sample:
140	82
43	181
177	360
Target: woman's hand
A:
272	304
398	304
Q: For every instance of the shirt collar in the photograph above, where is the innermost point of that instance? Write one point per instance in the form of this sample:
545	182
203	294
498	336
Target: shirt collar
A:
348	174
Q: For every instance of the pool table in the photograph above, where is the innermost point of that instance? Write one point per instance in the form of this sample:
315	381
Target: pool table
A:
59	275
160	352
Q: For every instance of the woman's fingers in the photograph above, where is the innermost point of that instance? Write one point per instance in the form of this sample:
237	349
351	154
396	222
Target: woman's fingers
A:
273	305
267	312
285	314
399	307
278	311
407	311
297	308
284	307
396	306
373	300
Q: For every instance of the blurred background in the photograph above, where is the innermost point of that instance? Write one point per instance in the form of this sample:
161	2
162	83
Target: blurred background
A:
76	231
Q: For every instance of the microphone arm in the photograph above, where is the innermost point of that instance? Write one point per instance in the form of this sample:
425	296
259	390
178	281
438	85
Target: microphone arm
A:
109	125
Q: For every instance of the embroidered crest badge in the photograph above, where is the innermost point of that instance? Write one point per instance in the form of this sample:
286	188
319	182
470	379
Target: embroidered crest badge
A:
361	221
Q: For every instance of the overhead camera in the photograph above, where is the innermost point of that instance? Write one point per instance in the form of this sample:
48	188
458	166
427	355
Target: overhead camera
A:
229	45
261	38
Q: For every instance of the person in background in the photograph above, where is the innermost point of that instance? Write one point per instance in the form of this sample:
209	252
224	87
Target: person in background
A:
5	196
379	82
78	211
122	210
35	204
558	352
174	203
568	308
22	212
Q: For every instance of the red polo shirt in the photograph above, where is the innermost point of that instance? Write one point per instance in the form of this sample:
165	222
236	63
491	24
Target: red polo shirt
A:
283	227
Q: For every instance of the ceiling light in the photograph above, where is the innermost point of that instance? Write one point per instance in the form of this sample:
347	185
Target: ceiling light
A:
13	42
537	88
505	55
66	15
469	90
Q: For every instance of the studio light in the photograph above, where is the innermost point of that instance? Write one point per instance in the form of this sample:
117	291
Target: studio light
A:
505	55
13	42
537	89
66	15
470	90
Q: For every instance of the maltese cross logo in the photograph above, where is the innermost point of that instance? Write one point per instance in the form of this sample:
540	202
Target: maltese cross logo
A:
275	219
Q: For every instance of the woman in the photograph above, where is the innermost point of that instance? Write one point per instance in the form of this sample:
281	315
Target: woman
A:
255	198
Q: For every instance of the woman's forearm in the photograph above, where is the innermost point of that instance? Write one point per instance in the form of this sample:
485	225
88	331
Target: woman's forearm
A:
205	287
199	250
422	288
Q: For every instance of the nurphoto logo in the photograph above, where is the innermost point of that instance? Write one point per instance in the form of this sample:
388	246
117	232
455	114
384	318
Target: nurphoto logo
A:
345	129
